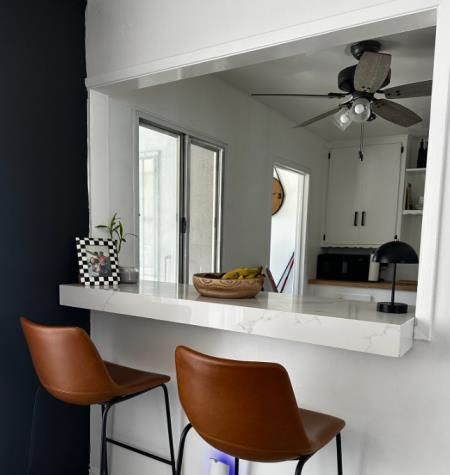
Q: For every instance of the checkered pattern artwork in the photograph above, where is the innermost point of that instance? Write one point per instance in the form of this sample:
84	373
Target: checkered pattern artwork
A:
97	262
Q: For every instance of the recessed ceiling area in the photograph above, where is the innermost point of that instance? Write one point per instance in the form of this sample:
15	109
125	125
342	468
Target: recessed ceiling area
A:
316	73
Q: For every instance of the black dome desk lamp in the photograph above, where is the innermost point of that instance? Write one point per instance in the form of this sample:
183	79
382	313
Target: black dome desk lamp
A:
394	252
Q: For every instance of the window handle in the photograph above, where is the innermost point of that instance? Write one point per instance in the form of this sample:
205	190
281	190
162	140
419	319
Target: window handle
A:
183	225
363	218
355	219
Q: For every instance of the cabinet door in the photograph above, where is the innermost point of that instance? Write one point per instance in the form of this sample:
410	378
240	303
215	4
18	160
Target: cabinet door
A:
379	185
340	226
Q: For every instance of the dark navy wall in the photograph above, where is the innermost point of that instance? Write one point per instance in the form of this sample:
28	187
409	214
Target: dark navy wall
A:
44	205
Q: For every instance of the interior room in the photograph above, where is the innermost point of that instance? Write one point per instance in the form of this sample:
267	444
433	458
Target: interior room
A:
251	218
361	185
254	136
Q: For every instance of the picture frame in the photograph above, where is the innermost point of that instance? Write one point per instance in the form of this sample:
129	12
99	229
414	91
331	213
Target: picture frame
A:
97	262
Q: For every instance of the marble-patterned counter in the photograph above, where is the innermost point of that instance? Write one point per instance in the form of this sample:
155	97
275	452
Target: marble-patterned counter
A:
350	325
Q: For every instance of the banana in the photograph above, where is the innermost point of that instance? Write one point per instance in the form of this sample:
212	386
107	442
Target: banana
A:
231	275
243	273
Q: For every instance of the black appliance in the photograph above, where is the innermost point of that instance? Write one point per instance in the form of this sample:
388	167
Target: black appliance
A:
353	267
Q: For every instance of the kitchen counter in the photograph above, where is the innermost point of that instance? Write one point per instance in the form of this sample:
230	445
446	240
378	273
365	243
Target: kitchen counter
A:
350	325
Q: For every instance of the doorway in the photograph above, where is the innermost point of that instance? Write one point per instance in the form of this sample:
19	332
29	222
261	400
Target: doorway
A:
288	229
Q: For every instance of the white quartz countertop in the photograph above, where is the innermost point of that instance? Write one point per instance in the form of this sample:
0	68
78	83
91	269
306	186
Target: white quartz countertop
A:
350	325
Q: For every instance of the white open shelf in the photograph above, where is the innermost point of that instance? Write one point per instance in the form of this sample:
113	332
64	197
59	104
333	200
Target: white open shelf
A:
413	211
416	171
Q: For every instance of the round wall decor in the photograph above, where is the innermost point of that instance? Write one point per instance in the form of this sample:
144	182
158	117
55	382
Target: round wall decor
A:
277	195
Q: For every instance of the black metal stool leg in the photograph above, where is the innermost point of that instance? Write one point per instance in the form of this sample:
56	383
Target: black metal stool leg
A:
181	447
103	450
236	466
33	418
299	467
339	454
169	429
105	439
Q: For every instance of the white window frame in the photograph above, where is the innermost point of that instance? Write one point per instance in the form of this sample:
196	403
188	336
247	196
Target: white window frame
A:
403	15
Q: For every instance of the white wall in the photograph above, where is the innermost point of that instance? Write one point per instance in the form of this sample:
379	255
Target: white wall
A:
124	36
137	31
397	411
255	137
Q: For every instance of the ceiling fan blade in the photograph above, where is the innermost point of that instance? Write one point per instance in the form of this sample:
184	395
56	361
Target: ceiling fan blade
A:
395	113
330	95
317	118
371	71
415	89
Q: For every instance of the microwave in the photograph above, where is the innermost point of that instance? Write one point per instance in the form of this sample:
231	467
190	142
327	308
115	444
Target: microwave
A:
343	267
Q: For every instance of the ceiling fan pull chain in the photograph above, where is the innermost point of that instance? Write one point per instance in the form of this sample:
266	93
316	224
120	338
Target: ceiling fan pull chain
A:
361	143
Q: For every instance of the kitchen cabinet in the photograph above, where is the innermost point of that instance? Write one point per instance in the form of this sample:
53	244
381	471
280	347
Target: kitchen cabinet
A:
362	204
342	191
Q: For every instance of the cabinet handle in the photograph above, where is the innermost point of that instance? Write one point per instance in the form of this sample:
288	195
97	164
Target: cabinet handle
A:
355	219
363	218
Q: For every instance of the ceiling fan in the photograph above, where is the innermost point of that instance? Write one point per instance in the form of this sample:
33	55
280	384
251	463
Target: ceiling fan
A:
361	83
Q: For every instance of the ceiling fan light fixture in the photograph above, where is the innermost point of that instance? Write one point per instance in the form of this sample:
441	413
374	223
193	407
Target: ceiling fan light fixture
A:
342	119
360	110
360	84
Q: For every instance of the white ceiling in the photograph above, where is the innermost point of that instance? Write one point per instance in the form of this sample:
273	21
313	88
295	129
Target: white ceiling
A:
316	73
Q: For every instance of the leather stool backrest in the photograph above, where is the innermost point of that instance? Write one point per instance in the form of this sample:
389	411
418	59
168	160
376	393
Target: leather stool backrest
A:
67	363
246	409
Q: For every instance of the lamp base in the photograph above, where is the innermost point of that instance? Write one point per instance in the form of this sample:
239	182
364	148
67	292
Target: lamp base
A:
389	307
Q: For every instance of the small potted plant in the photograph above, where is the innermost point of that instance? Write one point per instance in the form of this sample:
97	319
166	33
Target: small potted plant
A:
115	229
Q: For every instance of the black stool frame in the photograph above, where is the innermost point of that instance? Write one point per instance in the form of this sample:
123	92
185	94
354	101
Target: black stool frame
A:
298	469
105	439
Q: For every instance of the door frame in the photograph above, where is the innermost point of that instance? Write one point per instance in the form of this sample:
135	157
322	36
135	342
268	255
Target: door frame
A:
301	225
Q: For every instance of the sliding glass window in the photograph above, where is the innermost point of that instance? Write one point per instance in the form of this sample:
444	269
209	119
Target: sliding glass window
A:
180	196
159	175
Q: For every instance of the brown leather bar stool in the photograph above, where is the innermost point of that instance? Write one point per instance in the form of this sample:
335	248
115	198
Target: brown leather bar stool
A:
248	410
70	368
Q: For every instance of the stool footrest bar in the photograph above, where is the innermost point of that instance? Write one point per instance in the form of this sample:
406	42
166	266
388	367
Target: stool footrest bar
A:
144	453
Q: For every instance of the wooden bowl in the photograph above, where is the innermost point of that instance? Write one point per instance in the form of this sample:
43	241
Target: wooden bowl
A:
212	285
